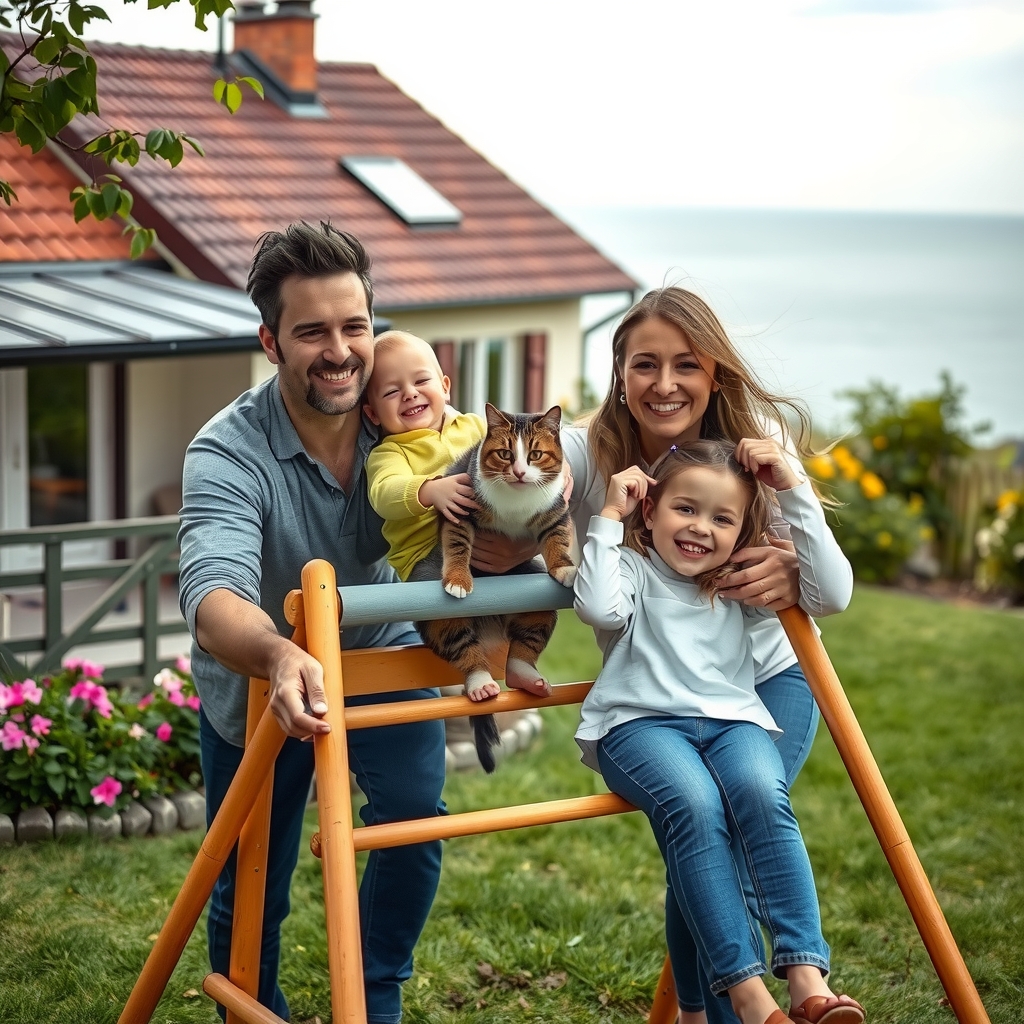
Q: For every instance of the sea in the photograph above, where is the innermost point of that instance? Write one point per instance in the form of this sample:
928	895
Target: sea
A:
821	302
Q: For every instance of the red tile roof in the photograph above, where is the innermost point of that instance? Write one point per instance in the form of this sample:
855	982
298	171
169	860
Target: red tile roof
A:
264	169
39	226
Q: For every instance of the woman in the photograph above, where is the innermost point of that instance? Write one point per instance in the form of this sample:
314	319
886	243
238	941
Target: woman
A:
677	377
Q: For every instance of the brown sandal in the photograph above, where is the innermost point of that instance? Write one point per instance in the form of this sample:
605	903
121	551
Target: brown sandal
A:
778	1017
827	1010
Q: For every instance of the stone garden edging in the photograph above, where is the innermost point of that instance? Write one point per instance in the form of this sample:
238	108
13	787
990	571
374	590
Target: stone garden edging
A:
155	815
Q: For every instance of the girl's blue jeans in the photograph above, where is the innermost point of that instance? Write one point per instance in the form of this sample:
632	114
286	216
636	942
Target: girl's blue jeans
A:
400	770
701	782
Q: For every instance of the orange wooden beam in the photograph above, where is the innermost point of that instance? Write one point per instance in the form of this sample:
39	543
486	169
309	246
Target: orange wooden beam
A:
240	1004
341	909
884	817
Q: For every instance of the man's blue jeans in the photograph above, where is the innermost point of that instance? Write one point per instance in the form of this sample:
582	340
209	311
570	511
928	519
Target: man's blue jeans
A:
699	781
400	769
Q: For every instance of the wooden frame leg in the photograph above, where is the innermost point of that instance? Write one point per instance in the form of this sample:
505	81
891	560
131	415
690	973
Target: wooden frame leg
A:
217	846
251	869
884	817
665	1008
344	942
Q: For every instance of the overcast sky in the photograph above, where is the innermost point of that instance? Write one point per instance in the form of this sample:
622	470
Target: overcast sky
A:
839	104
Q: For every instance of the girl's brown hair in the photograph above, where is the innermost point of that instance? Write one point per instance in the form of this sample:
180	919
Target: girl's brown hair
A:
740	407
718	455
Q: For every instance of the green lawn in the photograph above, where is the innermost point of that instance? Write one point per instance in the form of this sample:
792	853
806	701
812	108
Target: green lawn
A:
569	917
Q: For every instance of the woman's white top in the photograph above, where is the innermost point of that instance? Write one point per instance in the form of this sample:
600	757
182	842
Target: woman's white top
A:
669	651
824	589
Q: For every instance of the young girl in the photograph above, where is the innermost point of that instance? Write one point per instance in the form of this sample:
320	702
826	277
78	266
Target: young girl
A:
674	723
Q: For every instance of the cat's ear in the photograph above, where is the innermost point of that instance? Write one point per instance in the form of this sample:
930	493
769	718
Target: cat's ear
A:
552	417
495	417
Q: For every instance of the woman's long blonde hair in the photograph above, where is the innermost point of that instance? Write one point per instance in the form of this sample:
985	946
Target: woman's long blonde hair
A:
740	407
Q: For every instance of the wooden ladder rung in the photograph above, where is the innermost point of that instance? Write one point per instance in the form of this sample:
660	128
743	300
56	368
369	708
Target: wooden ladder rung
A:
475	823
403	712
242	1005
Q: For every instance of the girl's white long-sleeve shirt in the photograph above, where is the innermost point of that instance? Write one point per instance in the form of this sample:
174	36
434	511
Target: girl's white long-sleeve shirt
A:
669	651
824	593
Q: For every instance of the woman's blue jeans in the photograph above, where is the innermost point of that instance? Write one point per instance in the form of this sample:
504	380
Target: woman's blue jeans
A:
400	769
647	768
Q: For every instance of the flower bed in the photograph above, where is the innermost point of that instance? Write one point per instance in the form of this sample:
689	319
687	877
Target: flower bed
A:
1000	544
69	744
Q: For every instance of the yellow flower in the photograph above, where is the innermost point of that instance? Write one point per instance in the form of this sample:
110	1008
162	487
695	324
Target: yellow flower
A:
872	486
927	533
884	539
821	467
880	442
1006	499
915	503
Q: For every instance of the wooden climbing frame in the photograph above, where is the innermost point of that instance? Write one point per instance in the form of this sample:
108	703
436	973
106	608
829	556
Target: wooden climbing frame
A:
244	816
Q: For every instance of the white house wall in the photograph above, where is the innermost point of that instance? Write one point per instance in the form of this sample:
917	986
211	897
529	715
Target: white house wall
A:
168	401
559	320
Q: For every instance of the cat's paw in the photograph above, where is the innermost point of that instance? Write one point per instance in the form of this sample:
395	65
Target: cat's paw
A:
565	574
458	589
483	692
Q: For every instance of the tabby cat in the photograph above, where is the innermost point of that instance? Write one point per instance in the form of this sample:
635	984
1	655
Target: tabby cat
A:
518	478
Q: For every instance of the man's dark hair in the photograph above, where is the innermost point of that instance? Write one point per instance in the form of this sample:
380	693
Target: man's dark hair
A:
306	252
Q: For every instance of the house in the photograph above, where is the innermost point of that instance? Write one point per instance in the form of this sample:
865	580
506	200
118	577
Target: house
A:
108	369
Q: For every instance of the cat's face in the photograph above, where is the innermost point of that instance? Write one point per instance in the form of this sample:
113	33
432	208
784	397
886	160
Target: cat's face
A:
522	450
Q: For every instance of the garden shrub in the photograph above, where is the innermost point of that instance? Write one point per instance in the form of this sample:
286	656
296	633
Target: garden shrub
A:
910	444
877	530
1000	544
68	741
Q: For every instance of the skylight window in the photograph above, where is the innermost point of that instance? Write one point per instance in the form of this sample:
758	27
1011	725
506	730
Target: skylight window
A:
397	185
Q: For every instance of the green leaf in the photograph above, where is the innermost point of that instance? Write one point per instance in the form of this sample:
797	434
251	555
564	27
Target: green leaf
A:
142	239
155	141
254	83
111	194
81	209
58	783
218	90
7	193
125	203
46	49
76	17
53	768
194	143
174	152
232	97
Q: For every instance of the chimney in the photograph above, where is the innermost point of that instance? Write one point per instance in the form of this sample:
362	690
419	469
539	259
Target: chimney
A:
278	49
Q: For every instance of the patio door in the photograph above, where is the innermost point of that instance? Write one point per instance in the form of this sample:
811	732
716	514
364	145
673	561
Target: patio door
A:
57	455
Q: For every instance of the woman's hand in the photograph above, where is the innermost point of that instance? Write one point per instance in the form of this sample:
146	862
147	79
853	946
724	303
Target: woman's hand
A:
625	491
770	577
452	496
494	552
767	461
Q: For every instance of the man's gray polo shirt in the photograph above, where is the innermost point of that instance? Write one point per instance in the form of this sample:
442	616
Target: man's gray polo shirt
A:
257	507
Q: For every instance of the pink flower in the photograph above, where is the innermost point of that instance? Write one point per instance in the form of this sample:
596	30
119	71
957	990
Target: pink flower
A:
145	702
11	737
167	681
94	695
71	664
192	702
184	665
92	670
136	732
163	731
18	717
176	698
25	692
40	725
31	743
107	791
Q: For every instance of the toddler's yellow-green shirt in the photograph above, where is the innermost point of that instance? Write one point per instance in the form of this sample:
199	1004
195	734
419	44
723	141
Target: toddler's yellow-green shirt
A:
395	471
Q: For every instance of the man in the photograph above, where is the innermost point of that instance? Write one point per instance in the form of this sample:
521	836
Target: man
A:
274	480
